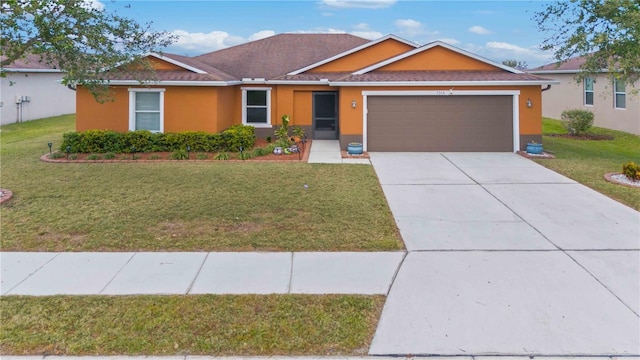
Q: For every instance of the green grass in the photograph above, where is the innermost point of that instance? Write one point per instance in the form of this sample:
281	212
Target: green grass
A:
181	325
586	161
213	206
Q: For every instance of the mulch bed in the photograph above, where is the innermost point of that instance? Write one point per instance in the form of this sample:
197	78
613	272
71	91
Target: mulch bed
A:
346	155
609	177
166	156
5	195
544	155
583	136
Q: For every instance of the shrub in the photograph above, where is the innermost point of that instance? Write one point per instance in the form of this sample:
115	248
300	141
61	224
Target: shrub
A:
102	141
631	171
73	156
180	154
577	121
257	152
245	155
155	157
109	156
93	157
222	156
268	139
202	156
57	155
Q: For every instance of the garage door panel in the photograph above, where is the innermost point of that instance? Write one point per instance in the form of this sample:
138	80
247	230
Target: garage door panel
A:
440	123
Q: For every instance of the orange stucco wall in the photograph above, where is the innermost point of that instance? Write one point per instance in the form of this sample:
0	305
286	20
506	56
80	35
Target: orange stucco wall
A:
365	57
162	65
438	58
185	108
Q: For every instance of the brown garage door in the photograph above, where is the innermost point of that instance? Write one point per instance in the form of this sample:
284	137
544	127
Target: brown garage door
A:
440	123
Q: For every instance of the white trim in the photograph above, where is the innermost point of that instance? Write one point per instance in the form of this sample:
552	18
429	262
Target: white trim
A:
616	93
430	46
585	91
132	106
174	83
296	82
244	106
446	83
31	70
514	93
351	51
177	63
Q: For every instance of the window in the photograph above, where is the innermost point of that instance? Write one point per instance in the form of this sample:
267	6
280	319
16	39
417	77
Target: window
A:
619	94
588	91
146	109
255	107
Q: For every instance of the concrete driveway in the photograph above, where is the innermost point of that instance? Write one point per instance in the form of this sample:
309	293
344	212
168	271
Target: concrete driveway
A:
506	257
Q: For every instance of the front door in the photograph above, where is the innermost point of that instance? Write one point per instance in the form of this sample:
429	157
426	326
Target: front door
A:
325	115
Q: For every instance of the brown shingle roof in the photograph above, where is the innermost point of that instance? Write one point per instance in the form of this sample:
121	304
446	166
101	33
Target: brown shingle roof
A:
200	65
175	75
397	76
331	76
572	64
30	61
280	54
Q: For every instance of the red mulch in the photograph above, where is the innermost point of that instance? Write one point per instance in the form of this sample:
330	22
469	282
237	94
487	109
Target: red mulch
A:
166	156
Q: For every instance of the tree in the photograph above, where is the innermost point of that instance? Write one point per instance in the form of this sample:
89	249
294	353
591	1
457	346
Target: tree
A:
605	32
515	63
78	36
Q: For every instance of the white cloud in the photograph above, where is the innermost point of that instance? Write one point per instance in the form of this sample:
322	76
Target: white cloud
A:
362	26
479	30
499	51
371	35
261	35
413	28
93	5
362	4
198	42
320	31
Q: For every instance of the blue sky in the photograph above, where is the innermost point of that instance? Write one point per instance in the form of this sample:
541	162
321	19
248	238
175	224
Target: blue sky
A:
497	30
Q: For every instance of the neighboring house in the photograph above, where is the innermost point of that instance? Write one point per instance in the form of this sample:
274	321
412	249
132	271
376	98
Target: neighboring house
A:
389	94
614	104
30	90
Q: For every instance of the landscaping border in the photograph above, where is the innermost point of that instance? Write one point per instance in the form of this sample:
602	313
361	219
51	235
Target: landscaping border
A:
608	177
304	158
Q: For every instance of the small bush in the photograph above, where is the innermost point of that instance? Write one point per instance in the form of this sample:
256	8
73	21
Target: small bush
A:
109	156
73	156
577	121
57	155
257	152
222	156
155	157
202	156
245	155
269	139
93	157
631	171
179	155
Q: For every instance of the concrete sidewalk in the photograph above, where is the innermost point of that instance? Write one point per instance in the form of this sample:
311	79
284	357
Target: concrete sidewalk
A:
328	152
197	273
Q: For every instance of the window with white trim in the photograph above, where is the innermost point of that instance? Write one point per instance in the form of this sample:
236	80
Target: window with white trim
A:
256	108
588	91
619	94
146	109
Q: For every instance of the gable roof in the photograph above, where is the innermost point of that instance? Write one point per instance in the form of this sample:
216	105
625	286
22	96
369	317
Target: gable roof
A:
430	46
351	51
280	54
571	66
29	63
442	78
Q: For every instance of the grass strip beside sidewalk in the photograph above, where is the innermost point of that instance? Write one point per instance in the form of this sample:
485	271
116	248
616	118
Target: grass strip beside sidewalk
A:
193	324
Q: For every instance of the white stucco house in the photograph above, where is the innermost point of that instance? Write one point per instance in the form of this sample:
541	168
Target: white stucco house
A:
615	105
30	90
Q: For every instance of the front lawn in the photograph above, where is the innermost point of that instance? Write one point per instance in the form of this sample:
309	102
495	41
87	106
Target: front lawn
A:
184	206
188	325
586	161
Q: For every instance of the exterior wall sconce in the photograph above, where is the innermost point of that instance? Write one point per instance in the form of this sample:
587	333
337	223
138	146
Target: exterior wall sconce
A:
353	103
529	103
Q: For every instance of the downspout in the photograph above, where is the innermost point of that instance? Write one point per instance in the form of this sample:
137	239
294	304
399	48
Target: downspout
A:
547	88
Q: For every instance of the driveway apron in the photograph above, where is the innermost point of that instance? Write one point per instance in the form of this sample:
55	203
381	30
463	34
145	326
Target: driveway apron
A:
506	257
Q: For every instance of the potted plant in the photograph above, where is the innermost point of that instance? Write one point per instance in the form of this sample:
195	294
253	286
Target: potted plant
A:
354	148
534	148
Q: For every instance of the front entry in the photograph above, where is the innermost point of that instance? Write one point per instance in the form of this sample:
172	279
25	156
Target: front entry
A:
325	115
